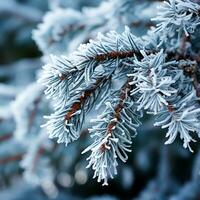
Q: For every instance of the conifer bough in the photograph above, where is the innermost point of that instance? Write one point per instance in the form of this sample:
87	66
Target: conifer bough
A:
156	74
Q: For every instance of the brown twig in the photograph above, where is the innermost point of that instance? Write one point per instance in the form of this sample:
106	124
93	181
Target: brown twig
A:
170	108
138	23
120	54
81	101
116	54
117	110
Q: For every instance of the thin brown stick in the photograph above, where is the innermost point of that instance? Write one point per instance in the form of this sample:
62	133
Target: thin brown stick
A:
117	110
116	54
82	99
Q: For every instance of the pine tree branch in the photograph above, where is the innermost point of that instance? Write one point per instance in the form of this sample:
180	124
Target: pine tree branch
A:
112	135
117	110
82	99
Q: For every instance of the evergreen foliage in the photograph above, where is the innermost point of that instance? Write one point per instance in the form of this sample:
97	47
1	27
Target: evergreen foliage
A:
159	75
118	76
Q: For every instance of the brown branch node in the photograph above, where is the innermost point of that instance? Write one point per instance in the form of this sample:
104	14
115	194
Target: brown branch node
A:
82	99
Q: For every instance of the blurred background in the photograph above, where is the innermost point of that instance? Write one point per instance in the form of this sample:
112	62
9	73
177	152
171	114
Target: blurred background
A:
36	168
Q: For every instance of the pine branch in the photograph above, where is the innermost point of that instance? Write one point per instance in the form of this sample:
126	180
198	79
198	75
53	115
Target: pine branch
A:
82	99
112	135
67	124
125	90
162	79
